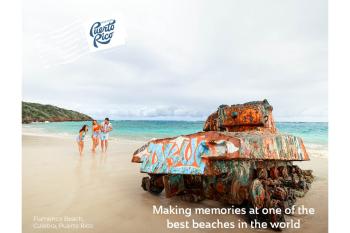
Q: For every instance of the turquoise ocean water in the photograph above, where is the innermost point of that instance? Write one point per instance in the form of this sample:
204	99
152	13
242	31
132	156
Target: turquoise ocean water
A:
315	133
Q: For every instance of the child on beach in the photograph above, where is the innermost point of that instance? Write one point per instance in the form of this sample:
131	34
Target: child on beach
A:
96	130
80	138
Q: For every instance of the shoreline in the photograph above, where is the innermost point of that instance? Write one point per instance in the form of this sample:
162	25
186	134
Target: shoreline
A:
36	133
314	149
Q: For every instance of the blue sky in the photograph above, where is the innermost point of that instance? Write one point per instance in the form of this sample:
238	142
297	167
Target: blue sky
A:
182	59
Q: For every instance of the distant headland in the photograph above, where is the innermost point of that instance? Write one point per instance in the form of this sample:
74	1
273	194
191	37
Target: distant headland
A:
34	112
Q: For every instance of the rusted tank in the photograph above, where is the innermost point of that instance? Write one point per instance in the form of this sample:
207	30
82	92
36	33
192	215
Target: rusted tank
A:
240	159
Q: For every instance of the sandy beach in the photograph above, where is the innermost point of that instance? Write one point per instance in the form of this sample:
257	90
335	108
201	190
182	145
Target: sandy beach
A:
102	191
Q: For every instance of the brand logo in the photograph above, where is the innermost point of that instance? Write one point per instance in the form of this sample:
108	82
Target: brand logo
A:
102	32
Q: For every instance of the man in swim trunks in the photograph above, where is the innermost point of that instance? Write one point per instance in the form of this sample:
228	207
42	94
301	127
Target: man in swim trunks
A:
106	127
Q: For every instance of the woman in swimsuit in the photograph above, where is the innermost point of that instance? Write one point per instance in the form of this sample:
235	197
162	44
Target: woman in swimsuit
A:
80	138
96	129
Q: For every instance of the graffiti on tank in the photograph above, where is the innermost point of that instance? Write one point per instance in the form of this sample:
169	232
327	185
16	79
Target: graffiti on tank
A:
182	154
185	154
193	154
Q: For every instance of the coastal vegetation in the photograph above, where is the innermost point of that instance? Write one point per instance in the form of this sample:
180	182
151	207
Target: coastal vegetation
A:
34	112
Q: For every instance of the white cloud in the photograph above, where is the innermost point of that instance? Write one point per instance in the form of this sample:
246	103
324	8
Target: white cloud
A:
184	58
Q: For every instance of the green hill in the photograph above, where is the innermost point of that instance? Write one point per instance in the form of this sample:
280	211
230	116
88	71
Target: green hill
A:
39	112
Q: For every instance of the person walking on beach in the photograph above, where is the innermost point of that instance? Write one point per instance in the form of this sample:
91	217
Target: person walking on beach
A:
106	127
95	135
80	138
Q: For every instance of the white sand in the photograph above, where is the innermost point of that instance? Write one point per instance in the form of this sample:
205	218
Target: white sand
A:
104	189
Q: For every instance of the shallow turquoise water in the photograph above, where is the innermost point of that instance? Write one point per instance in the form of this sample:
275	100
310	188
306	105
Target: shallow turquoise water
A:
311	132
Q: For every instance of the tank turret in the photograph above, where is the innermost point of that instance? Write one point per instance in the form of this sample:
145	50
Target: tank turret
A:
255	115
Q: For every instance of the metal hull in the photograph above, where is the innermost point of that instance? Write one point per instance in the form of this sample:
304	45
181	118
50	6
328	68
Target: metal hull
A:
214	153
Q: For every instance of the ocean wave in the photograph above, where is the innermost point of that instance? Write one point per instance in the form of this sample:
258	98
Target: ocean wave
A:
317	150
